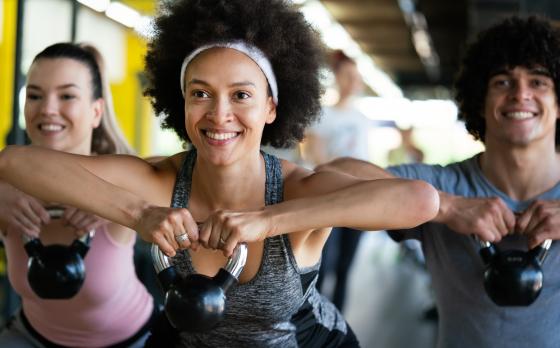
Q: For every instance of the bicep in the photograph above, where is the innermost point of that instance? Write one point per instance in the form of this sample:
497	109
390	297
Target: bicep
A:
308	183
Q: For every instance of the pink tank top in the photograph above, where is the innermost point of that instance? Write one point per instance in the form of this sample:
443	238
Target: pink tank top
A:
111	306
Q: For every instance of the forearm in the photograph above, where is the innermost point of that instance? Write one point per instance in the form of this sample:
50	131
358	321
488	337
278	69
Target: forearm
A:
52	177
370	205
355	167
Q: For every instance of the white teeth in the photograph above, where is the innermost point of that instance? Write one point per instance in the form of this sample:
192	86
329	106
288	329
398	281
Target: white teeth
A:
220	136
519	115
51	127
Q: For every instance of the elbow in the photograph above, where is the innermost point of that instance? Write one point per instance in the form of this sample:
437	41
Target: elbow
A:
427	201
4	155
8	153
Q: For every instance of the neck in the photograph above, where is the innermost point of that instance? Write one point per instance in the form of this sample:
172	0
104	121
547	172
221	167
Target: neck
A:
343	102
235	186
521	172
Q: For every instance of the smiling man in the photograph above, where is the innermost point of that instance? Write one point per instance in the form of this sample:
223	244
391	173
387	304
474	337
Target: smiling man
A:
507	91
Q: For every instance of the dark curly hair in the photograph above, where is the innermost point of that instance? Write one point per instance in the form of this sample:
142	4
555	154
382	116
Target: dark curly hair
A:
274	26
528	42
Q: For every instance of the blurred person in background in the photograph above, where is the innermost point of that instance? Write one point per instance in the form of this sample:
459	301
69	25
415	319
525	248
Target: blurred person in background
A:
342	131
407	151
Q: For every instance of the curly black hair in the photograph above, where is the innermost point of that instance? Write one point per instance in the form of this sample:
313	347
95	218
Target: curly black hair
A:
527	42
274	26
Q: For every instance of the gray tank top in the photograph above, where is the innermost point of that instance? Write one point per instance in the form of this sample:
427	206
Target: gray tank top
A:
259	312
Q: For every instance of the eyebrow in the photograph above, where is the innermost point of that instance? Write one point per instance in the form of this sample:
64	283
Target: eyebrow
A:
235	84
533	71
540	71
68	85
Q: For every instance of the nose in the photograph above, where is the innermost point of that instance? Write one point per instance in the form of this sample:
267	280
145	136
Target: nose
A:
48	105
521	90
220	110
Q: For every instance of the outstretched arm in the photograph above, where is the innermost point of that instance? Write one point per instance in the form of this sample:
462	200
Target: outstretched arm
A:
318	200
355	167
69	179
488	218
123	189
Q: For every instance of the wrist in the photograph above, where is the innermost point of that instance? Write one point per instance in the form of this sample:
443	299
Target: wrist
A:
445	202
274	221
135	212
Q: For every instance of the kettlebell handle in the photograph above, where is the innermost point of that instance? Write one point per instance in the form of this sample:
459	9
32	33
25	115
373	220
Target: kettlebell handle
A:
540	250
234	266
57	213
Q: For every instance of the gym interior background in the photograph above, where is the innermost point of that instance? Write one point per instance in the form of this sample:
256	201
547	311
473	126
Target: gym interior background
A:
407	51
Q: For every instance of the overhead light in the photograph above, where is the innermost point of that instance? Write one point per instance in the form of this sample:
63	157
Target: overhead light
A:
422	43
96	5
144	26
421	39
123	14
407	6
410	113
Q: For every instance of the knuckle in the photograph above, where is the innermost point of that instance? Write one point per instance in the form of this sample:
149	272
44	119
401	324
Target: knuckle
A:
542	213
169	219
20	202
163	225
548	222
495	208
478	224
235	232
228	222
185	213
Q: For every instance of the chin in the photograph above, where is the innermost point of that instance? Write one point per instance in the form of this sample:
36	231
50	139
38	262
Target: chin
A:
219	159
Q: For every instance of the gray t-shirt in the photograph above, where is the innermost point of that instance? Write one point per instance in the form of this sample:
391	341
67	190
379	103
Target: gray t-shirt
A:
467	316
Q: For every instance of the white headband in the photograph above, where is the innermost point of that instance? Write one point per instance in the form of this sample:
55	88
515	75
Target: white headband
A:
249	50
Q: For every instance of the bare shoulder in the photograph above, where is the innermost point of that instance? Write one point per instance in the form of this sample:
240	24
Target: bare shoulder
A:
301	182
170	164
293	176
306	245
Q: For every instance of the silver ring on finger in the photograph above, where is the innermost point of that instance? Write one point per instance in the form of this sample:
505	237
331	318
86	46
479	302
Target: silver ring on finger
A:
182	237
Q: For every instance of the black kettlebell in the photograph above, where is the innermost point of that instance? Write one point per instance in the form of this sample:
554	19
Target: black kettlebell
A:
513	277
56	271
197	302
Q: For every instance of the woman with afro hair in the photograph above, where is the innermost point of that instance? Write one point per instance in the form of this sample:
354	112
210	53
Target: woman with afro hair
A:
229	76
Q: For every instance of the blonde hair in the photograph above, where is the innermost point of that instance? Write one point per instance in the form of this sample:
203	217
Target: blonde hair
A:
108	137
